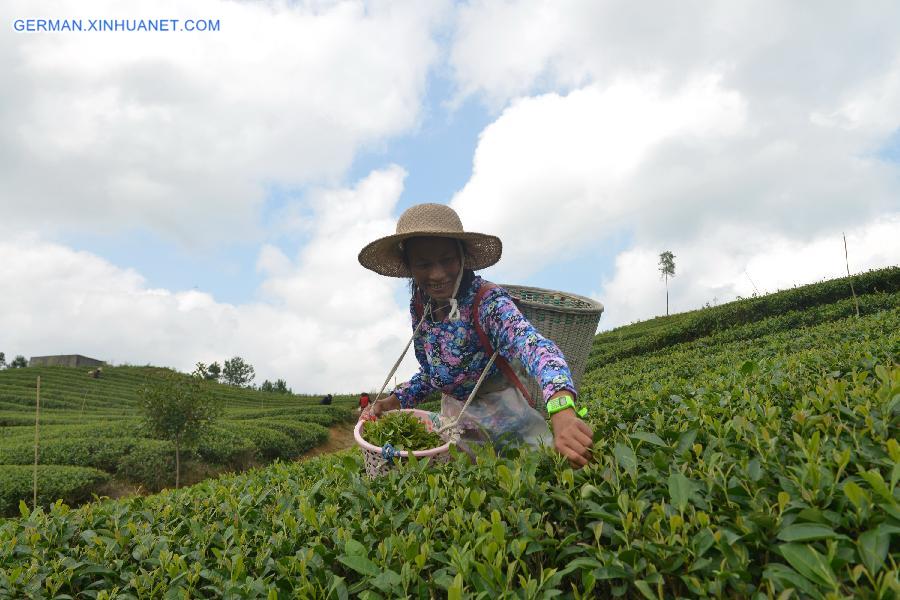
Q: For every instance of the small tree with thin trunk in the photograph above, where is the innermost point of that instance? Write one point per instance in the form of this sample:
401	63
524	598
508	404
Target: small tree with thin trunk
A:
179	409
667	269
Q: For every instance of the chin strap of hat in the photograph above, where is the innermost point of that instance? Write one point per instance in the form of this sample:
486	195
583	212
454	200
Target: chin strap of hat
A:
454	303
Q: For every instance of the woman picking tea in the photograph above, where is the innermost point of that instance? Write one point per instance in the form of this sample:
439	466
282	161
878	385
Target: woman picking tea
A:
460	320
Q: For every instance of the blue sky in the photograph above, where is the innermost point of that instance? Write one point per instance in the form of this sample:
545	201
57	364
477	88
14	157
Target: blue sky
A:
183	197
437	156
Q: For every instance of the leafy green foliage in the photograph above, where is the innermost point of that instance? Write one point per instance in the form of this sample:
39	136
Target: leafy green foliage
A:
662	333
222	444
322	415
238	372
179	409
104	453
403	430
279	387
95	423
150	463
71	484
213	372
724	466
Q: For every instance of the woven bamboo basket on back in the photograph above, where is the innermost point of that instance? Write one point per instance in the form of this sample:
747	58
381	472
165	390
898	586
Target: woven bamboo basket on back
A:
567	319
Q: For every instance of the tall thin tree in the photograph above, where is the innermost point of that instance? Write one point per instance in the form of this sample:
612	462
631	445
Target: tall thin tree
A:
666	270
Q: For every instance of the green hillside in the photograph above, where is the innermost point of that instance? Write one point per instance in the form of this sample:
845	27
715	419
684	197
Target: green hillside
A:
92	441
748	450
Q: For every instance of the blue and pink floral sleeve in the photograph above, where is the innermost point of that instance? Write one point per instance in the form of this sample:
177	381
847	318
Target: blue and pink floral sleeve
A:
510	332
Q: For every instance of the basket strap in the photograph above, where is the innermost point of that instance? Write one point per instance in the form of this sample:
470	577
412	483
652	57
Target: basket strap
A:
504	365
424	312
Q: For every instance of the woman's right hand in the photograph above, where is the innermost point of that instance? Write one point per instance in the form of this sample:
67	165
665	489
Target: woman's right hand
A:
376	409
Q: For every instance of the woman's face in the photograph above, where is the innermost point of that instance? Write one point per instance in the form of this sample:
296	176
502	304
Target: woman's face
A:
434	263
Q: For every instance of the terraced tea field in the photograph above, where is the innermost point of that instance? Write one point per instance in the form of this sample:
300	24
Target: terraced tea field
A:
91	439
744	451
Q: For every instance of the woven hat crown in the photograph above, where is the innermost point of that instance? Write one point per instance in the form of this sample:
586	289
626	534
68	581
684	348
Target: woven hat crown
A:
385	255
429	217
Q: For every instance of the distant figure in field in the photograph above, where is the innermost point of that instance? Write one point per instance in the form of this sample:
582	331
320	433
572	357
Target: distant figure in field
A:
326	400
96	373
363	401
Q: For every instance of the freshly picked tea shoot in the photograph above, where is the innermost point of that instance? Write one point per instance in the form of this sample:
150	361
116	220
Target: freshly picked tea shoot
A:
402	430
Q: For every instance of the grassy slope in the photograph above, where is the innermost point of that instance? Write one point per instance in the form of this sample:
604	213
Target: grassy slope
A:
755	458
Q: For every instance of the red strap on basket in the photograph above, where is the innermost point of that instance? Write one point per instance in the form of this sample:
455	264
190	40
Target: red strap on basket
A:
483	338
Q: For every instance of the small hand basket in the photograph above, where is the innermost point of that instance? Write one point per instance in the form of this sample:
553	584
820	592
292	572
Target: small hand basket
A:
380	460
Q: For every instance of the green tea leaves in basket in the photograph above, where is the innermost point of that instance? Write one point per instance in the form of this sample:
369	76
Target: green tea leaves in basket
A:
402	430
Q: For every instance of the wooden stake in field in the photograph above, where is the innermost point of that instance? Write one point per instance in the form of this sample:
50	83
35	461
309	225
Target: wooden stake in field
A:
37	428
847	262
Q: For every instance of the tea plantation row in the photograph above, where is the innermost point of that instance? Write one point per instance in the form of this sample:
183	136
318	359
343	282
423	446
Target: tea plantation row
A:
760	468
802	306
94	425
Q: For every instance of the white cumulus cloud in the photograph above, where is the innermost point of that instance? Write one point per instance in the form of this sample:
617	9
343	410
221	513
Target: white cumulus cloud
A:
325	323
739	261
743	136
183	132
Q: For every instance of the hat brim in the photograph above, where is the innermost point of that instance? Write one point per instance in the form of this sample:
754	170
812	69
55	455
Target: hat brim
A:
385	257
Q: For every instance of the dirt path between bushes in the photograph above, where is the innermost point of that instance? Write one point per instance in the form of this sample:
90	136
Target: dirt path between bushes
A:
340	437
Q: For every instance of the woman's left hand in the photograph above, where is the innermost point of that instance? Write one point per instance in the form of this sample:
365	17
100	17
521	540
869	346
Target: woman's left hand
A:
572	437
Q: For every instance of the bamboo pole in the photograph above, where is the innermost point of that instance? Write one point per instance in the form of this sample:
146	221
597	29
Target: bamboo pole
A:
37	420
847	262
756	291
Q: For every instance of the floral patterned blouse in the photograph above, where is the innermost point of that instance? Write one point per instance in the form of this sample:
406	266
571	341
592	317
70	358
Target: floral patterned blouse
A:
451	357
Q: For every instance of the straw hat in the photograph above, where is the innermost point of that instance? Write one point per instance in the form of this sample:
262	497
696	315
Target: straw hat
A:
385	255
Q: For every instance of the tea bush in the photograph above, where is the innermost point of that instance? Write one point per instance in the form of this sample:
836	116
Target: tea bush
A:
71	484
94	423
279	439
150	463
790	308
760	461
221	445
321	415
304	436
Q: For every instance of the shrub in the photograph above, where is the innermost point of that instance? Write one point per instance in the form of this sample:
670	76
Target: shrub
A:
270	443
148	462
304	436
99	453
179	409
224	445
71	484
322	415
